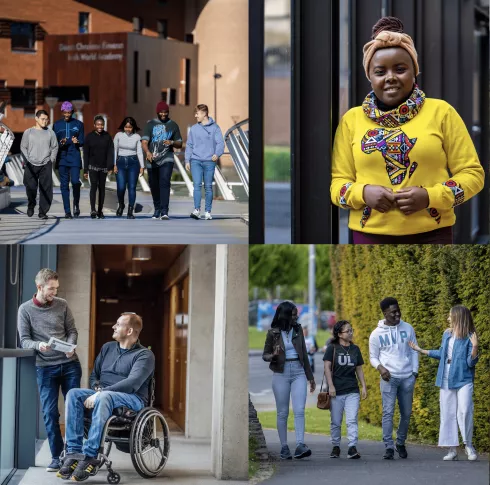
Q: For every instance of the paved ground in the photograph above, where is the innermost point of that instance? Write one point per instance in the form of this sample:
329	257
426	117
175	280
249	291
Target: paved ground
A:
260	382
423	466
189	464
227	226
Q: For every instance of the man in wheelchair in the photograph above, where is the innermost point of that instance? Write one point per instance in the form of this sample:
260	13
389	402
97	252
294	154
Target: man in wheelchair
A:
121	377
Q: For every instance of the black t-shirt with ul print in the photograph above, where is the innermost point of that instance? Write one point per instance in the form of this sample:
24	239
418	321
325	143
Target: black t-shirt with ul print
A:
344	367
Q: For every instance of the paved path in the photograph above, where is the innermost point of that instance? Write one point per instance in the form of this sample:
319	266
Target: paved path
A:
227	226
423	466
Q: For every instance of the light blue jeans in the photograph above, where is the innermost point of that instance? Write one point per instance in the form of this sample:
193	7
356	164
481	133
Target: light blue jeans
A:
105	403
203	170
350	404
390	391
292	383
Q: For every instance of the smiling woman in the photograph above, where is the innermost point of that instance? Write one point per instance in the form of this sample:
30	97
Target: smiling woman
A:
393	155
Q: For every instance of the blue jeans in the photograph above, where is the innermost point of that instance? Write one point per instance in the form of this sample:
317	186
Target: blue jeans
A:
49	380
105	403
128	169
68	174
292	382
160	178
350	404
390	391
203	170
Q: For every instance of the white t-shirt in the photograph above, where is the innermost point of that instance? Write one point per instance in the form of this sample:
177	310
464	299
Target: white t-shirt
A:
449	355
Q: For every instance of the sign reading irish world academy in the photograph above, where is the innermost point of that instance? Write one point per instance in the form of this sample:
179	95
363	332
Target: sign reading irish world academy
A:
105	51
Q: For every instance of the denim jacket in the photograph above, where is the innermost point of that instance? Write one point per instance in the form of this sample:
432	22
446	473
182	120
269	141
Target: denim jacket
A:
462	369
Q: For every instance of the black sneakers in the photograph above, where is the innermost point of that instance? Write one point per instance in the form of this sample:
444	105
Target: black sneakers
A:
30	212
68	467
302	451
353	453
335	452
401	450
54	466
389	454
68	215
86	468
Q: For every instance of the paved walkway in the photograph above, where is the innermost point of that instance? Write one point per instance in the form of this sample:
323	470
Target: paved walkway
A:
189	463
227	226
424	465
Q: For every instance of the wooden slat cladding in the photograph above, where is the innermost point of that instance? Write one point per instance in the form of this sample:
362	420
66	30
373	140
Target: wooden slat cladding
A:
5	95
40	33
39	96
4	29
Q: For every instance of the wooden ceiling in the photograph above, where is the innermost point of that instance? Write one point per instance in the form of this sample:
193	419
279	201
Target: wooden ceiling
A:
115	257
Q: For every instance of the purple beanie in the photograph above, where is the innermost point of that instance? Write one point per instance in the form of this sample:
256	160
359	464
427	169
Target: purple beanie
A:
67	106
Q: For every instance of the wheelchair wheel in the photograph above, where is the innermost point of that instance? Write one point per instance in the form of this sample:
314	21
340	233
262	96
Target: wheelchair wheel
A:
113	478
149	443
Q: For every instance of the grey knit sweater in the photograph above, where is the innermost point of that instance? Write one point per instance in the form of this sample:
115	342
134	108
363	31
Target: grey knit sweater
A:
38	324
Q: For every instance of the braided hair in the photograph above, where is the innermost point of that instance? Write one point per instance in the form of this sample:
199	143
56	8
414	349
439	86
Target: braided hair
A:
391	24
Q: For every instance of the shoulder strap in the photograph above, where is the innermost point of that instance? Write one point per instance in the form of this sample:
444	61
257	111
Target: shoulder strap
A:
333	360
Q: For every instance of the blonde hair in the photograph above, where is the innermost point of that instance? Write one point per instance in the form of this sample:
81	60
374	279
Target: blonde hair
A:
134	321
44	276
461	322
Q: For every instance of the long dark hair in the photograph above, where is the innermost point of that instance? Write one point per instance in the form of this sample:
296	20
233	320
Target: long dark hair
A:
337	328
131	121
283	318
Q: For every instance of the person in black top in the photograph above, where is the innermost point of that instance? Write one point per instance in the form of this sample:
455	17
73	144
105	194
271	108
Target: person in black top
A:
346	360
98	156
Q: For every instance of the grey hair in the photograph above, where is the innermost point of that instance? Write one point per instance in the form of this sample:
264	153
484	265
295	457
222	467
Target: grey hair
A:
44	276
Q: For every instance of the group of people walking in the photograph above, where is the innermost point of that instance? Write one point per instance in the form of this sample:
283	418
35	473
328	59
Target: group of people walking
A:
127	156
393	352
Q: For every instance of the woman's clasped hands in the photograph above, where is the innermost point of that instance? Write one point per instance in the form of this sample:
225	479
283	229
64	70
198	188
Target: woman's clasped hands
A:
408	200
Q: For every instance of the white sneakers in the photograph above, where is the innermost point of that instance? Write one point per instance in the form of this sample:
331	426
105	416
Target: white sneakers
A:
471	452
453	453
196	214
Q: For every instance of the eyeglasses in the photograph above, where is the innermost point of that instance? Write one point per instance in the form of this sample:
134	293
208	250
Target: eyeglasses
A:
348	331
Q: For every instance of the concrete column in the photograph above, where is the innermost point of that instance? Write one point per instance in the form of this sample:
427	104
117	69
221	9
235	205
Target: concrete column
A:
229	444
199	383
74	270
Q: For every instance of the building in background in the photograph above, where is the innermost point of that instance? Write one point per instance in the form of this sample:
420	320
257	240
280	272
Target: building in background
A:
157	29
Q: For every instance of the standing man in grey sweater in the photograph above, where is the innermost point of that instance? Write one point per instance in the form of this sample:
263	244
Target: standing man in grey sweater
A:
40	318
40	148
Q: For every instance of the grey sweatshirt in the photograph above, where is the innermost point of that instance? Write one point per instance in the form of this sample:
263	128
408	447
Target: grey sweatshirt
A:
121	370
37	324
128	146
39	146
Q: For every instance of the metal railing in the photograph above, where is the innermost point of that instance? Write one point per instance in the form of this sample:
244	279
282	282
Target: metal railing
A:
236	139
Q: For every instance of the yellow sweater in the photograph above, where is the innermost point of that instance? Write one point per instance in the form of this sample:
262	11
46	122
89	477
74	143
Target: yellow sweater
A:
433	150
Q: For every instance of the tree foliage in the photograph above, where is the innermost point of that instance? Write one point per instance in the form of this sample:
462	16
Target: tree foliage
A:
427	281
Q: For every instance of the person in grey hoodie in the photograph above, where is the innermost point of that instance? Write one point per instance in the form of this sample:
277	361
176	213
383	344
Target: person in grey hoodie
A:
121	377
397	364
203	148
40	148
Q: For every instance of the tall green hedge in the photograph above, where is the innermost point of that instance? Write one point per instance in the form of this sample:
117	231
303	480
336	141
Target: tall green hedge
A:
426	281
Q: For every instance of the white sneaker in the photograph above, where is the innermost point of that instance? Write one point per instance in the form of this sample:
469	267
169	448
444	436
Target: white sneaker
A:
452	455
196	214
471	452
207	216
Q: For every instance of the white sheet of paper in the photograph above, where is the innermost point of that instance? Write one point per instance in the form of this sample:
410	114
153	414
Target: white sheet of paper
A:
60	345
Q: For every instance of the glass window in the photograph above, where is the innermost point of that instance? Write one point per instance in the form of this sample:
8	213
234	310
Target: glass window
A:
277	121
185	78
22	97
23	36
162	28
8	377
83	22
137	24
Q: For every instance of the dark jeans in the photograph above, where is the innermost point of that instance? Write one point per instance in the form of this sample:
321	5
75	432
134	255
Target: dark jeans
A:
444	235
41	176
160	185
49	380
97	182
128	169
68	174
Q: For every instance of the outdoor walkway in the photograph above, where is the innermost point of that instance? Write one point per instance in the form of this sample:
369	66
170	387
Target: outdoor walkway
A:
189	464
424	465
227	226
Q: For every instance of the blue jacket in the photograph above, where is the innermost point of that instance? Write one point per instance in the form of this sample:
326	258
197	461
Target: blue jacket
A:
204	141
462	369
69	153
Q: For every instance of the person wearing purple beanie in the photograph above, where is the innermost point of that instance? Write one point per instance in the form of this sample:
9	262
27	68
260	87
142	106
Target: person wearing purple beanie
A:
70	134
160	136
